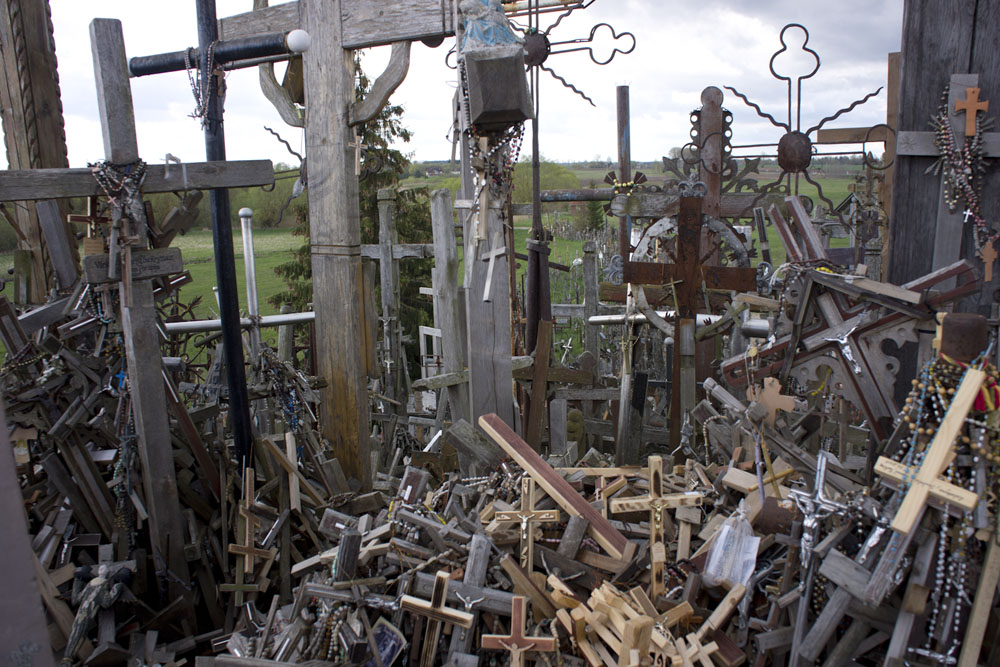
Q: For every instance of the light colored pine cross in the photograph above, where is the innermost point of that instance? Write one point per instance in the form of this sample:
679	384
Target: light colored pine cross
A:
924	480
527	516
656	502
771	398
971	106
516	642
436	613
246	548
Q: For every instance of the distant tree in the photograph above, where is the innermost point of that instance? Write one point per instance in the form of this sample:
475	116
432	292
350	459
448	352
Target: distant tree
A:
590	216
553	177
675	152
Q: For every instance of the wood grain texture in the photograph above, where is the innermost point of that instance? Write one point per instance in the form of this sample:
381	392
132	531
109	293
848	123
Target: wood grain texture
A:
56	183
335	235
384	86
114	92
448	302
554	485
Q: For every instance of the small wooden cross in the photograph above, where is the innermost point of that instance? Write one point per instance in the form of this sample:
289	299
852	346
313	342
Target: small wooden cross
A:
924	481
989	255
971	106
499	249
691	648
771	398
516	642
92	243
436	613
528	516
656	502
246	549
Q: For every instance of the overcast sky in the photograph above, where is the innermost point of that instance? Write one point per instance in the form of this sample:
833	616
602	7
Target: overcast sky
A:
682	47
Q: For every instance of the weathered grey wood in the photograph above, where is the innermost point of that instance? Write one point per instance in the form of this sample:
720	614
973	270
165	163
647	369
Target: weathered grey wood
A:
139	325
60	251
448	311
389	280
571	538
400	251
473	448
557	426
475	575
366	22
146	264
24	632
114	92
57	183
335	236
591	300
385	85
922	144
494	602
845	573
347	555
658	204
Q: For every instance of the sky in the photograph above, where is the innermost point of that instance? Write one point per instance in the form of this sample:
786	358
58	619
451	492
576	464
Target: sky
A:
681	48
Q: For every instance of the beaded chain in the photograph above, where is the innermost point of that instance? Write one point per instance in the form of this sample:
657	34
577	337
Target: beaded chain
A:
962	167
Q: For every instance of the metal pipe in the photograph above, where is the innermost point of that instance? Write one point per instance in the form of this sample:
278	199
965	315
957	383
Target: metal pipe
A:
245	48
202	326
250	273
222	241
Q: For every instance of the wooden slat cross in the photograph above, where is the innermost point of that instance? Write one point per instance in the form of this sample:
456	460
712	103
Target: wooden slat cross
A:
499	249
656	502
526	516
246	549
516	642
971	106
437	613
937	458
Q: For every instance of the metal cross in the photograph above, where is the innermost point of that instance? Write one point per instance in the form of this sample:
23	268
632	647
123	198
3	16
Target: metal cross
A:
844	343
814	508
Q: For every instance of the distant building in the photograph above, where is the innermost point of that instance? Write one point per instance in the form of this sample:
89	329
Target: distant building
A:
434	171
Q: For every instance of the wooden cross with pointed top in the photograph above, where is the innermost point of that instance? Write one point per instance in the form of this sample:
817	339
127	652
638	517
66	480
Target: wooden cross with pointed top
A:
437	613
656	502
971	106
516	642
924	481
527	516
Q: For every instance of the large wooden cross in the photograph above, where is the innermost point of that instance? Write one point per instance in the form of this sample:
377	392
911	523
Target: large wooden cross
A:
517	643
437	612
656	502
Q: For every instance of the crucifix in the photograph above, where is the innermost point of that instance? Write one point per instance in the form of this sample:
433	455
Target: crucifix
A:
656	502
92	244
517	643
436	613
527	516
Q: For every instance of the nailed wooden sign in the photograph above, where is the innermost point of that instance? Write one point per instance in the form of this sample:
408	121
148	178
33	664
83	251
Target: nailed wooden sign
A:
145	264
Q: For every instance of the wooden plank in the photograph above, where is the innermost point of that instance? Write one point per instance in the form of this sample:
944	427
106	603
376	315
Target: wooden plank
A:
278	18
114	93
335	236
558	488
29	184
659	204
980	614
448	301
64	264
146	264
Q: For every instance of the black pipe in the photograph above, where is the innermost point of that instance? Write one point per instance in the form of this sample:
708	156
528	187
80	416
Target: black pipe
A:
257	46
222	240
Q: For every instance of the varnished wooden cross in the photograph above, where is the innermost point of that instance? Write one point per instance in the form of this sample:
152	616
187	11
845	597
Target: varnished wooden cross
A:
516	642
527	516
437	613
971	106
656	502
924	481
989	255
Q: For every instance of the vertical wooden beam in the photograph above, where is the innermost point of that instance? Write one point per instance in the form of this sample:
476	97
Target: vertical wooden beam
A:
447	301
139	325
389	280
335	237
539	384
591	333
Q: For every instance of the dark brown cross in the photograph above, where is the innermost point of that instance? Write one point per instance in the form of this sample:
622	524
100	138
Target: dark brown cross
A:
92	216
689	276
516	642
971	106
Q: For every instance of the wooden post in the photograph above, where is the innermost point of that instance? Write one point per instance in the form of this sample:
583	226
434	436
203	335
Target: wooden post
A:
335	238
591	333
448	300
141	334
389	280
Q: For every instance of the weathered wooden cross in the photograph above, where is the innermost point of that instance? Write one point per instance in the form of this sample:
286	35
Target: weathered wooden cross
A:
656	502
437	612
517	643
527	516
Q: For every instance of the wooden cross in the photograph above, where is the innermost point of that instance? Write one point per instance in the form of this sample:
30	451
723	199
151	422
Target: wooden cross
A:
246	549
437	613
989	255
527	516
771	398
499	249
656	502
91	245
971	106
517	643
936	459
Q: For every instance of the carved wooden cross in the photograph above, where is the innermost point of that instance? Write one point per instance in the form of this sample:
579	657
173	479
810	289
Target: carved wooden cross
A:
656	502
437	613
938	456
516	642
527	516
971	106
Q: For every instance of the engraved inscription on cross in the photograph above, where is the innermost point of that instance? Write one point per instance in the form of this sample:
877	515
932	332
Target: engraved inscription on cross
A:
527	516
656	502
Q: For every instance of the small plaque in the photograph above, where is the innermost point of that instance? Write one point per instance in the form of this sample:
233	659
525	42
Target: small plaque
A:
146	264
